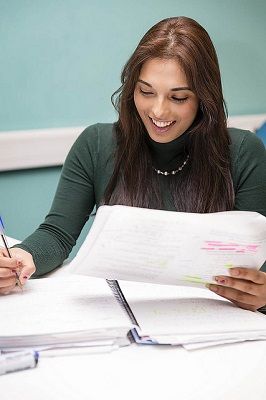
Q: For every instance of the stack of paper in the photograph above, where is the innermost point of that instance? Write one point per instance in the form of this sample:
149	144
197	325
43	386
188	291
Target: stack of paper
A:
66	312
152	246
82	314
189	316
181	249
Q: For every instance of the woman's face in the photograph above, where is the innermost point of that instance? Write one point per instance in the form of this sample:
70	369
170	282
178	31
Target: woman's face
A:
164	100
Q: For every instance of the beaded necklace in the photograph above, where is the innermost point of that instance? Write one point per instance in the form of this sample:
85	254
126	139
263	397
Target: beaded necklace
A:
172	172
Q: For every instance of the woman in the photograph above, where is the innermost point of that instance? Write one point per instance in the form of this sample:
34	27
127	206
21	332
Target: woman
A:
170	149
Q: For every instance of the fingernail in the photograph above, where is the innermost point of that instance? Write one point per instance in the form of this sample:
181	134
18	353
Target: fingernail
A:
213	288
19	263
24	278
221	281
234	272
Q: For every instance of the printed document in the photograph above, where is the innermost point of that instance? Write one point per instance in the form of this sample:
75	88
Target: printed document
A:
174	248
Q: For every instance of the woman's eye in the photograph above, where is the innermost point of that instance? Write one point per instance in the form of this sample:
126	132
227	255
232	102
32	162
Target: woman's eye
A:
144	92
180	99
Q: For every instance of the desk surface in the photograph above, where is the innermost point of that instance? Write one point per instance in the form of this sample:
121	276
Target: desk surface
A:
229	372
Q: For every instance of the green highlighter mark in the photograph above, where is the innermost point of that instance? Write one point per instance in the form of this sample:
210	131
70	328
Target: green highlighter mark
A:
191	281
197	282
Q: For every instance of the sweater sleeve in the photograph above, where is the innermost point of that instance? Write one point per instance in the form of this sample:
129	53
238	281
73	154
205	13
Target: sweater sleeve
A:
74	200
249	173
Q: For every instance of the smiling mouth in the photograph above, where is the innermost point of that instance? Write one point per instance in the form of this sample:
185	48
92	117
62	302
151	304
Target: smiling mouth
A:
161	126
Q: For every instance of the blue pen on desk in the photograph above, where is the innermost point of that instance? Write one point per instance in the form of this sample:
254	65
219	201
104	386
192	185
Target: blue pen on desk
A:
18	361
3	236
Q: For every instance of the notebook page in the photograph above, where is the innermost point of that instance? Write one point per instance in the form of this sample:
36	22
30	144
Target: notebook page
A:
66	304
186	313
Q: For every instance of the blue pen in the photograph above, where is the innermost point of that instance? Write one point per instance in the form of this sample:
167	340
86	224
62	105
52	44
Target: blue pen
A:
3	236
18	361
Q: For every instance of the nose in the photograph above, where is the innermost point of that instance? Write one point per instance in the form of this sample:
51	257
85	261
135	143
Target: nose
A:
160	108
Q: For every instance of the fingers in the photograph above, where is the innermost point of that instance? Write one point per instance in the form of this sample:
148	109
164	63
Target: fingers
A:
27	266
7	284
250	274
241	285
20	263
241	299
8	267
8	279
245	287
10	263
25	274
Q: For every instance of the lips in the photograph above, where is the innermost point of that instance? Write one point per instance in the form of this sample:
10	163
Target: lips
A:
161	126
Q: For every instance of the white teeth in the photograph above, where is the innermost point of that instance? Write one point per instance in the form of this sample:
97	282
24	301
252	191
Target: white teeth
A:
161	124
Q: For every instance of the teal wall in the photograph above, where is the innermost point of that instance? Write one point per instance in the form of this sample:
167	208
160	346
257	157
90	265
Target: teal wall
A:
61	60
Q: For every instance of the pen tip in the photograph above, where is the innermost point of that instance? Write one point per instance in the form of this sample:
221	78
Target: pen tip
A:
19	282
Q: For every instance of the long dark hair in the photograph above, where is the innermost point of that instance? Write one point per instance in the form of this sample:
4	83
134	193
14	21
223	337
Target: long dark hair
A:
206	186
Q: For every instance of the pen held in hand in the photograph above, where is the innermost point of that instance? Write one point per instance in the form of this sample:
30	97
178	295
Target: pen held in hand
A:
3	236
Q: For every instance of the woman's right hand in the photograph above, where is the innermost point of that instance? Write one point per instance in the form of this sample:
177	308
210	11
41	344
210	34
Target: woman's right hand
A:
21	263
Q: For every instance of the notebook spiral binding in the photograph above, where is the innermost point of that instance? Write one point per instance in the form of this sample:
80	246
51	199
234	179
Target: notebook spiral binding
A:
114	286
117	292
133	334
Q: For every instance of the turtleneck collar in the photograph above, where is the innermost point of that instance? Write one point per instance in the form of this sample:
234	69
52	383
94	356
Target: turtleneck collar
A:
166	154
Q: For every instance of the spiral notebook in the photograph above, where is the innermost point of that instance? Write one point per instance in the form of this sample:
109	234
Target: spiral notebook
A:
77	312
164	314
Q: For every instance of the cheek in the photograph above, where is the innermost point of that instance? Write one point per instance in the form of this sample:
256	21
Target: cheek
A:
139	102
136	101
191	112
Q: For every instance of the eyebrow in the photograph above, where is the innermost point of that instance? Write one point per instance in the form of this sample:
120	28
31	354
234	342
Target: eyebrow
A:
173	89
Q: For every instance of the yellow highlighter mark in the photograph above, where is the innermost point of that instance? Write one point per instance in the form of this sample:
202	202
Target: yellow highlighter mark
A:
162	262
228	265
193	277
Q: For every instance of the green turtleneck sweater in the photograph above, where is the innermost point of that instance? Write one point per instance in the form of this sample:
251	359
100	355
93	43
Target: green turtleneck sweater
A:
87	171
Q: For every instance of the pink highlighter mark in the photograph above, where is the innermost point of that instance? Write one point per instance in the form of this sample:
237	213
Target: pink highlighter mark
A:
227	248
237	247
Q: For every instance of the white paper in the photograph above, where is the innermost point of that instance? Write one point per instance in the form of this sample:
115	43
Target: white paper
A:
183	315
62	310
127	243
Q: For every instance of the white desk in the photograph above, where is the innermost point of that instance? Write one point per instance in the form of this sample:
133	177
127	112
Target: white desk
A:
230	372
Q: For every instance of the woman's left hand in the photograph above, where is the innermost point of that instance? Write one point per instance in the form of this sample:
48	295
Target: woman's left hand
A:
245	287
